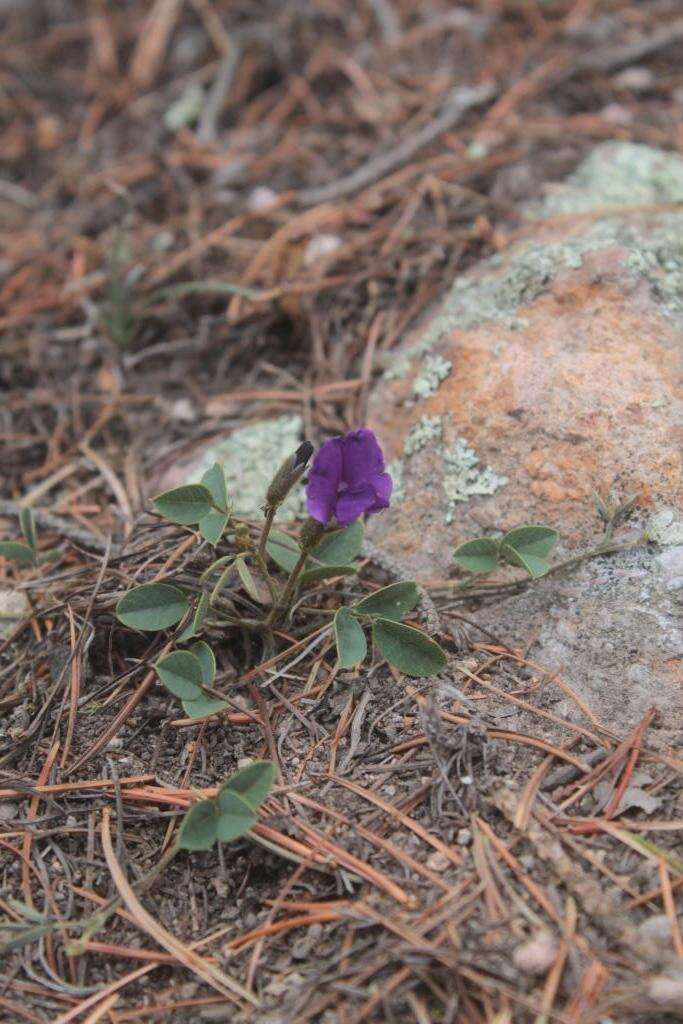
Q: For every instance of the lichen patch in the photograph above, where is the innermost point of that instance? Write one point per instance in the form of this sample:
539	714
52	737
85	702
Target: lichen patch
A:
250	457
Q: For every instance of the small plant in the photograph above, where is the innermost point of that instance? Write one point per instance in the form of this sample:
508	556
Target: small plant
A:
25	553
119	311
224	818
526	546
232	812
347	481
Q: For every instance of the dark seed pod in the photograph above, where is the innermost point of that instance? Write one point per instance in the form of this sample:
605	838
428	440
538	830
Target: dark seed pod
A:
288	474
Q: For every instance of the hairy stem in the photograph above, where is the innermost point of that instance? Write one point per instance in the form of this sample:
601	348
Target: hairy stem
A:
270	516
290	587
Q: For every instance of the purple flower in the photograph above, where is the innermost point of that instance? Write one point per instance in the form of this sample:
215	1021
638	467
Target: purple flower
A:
347	479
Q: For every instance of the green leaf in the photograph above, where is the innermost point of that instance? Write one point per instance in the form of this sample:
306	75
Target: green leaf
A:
408	649
211	526
236	817
240	798
184	505
536	567
19	553
232	813
392	602
283	549
181	673
199	828
252	784
203	706
341	546
28	527
351	643
527	546
51	555
533	540
214	481
195	623
324	572
479	555
24	935
207	660
152	606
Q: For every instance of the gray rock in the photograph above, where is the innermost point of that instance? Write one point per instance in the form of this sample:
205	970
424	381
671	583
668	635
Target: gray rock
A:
13	607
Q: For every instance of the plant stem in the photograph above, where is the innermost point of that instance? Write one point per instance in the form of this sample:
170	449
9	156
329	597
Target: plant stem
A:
602	549
468	588
290	587
270	516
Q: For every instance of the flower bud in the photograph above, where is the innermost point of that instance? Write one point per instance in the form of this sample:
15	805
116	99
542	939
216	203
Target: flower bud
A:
311	532
288	474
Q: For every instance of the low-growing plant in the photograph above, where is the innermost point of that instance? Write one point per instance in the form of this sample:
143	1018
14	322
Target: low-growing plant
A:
225	818
25	553
528	547
253	584
347	481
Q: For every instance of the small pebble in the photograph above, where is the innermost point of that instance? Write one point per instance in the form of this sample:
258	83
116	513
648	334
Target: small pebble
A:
636	79
183	411
437	861
655	930
536	955
8	810
261	198
616	113
320	246
464	837
667	990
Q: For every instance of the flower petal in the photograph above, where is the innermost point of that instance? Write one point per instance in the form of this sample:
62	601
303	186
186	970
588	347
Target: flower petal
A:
383	485
324	480
362	458
354	503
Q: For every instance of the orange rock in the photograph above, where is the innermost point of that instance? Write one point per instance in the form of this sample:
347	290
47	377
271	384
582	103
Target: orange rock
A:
576	397
551	372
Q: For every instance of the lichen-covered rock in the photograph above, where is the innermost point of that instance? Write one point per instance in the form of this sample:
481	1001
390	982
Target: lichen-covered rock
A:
552	371
14	607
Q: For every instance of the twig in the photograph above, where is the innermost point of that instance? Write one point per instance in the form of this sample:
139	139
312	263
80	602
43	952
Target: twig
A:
215	100
460	100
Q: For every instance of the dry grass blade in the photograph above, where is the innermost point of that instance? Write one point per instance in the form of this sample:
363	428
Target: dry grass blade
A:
210	974
97	997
